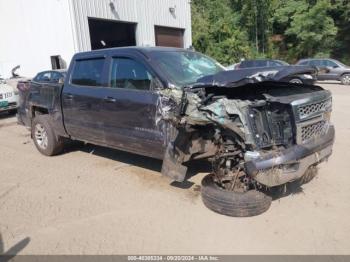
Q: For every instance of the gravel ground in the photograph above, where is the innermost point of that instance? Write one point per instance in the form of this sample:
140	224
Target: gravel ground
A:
93	200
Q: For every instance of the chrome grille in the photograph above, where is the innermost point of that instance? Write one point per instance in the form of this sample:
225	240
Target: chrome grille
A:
314	108
313	130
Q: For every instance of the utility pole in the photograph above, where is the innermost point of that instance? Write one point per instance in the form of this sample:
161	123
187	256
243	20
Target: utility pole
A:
256	27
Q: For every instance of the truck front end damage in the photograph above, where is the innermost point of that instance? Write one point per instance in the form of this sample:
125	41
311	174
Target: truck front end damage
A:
257	135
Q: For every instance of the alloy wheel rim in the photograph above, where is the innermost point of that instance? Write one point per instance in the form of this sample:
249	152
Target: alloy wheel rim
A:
41	136
346	79
296	81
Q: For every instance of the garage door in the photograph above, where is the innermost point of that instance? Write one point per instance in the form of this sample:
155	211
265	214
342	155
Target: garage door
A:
110	33
168	36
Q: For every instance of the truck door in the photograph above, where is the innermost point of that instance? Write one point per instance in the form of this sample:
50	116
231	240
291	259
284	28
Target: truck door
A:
130	105
82	99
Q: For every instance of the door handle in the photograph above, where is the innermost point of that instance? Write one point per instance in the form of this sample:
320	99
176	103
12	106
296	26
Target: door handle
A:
110	99
68	96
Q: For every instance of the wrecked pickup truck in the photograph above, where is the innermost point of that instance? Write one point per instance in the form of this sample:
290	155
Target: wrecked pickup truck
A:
258	132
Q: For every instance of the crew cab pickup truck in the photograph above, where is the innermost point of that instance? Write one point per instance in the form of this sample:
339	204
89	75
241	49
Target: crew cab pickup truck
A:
179	105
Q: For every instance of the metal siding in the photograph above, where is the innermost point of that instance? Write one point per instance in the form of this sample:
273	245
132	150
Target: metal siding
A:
146	13
31	32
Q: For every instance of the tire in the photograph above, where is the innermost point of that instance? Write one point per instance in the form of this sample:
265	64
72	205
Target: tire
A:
296	81
44	137
250	203
12	112
345	79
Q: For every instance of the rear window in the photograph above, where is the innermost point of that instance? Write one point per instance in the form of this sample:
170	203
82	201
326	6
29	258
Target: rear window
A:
88	72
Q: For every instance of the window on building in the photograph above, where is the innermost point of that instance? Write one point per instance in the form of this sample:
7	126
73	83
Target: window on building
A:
130	74
88	72
110	33
57	62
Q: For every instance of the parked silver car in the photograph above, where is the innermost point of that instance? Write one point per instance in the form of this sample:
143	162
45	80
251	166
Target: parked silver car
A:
329	69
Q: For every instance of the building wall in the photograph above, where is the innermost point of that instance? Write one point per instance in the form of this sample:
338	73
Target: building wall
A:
146	13
32	31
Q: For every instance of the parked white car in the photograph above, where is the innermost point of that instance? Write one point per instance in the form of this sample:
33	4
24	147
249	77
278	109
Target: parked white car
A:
9	98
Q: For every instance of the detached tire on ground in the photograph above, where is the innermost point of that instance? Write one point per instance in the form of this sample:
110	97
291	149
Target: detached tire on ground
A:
44	137
250	203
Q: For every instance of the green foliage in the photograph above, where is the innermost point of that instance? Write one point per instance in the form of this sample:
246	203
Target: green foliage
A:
229	30
340	12
216	31
309	28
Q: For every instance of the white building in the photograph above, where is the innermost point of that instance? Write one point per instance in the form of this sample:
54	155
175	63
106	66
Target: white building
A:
43	34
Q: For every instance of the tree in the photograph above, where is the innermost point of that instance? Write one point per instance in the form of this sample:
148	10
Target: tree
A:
216	31
286	29
341	16
309	29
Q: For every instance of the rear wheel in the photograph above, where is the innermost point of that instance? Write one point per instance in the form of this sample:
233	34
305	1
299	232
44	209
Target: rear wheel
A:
296	81
230	203
345	79
44	137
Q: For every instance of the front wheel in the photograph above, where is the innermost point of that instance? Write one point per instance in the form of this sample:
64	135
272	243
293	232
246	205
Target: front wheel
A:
230	203
44	137
345	79
12	112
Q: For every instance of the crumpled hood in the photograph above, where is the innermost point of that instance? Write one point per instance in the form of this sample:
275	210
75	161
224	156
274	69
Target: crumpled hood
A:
235	78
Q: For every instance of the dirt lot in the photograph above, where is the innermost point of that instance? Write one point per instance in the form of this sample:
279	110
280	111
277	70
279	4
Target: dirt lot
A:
93	200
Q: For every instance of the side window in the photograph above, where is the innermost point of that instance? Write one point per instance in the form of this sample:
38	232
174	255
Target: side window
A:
130	74
304	63
331	64
88	72
274	63
323	63
260	63
246	64
315	63
44	77
55	77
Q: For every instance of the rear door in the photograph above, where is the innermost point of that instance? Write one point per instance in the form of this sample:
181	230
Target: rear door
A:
334	70
130	105
82	99
322	69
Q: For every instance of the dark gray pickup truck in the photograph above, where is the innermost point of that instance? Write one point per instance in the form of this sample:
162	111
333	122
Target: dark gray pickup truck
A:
258	133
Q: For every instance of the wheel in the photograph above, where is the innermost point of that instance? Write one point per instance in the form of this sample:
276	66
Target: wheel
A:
296	81
44	137
250	203
345	79
12	112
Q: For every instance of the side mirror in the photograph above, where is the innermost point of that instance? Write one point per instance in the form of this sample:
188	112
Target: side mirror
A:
335	66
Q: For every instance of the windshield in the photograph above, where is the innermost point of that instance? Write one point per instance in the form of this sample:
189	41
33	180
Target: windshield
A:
186	67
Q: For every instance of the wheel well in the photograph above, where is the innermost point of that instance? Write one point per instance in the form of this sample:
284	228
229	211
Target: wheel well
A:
294	77
36	110
346	73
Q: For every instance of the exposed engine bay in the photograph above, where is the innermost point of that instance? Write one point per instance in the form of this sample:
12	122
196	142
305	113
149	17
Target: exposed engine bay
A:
234	126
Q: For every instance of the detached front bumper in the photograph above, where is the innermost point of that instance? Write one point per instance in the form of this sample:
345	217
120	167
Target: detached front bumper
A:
287	165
